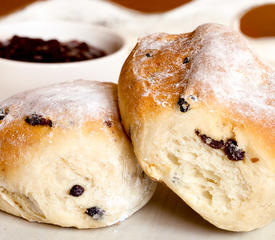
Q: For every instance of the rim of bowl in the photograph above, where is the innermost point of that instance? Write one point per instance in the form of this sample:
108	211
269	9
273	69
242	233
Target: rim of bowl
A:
104	30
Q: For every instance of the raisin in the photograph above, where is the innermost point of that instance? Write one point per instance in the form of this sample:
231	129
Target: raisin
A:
175	179
210	141
230	148
76	190
36	119
186	60
108	123
148	55
232	151
184	106
193	98
3	113
95	212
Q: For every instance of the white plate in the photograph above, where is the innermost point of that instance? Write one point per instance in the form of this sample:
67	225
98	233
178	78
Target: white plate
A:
166	217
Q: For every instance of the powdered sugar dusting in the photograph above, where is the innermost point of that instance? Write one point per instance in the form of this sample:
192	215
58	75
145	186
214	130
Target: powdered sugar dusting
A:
155	41
221	67
66	104
157	45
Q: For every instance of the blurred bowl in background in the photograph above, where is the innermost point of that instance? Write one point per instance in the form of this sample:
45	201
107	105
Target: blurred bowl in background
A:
257	20
18	76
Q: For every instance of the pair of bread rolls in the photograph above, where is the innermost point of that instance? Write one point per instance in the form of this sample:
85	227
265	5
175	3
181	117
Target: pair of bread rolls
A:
199	109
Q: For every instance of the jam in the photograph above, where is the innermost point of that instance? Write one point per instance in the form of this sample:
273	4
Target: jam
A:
259	21
51	51
7	7
153	6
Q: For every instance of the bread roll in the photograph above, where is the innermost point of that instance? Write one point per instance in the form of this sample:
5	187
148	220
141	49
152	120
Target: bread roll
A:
200	110
65	159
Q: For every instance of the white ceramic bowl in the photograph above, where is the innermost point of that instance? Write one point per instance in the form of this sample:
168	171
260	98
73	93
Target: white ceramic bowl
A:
16	76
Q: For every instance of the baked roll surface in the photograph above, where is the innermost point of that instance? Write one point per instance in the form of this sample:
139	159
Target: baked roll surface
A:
200	110
65	159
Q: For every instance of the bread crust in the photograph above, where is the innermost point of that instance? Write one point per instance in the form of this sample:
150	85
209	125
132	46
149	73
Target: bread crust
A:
81	142
149	85
230	94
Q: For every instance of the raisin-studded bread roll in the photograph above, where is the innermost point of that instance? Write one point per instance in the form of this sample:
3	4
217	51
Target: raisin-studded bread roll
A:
200	110
65	159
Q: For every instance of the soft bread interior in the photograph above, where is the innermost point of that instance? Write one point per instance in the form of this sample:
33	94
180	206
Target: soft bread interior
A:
103	163
233	195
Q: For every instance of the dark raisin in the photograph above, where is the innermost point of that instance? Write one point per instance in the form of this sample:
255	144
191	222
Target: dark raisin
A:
232	151
210	141
184	106
197	132
230	148
3	113
186	60
95	212
148	55
76	190
192	97
36	119
175	179
108	123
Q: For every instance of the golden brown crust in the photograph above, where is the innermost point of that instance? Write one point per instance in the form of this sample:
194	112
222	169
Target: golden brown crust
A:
132	91
19	141
200	110
63	135
219	59
18	138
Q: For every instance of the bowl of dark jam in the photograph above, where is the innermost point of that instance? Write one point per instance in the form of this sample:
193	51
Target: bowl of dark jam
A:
37	50
34	54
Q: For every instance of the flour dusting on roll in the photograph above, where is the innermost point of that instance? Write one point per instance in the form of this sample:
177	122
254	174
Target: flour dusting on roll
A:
200	110
65	159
